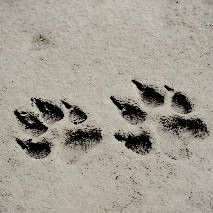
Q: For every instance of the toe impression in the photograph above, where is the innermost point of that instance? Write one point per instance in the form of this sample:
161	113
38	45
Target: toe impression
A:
132	113
48	110
149	94
30	121
76	114
36	150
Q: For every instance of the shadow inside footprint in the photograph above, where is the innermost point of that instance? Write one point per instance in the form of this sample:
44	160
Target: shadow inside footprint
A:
140	144
31	122
130	112
36	150
181	103
179	126
83	138
149	94
48	110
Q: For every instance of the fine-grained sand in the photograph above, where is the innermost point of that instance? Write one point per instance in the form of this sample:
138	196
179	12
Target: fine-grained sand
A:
93	54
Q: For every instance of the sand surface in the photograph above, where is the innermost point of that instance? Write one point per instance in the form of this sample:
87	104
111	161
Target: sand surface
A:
84	52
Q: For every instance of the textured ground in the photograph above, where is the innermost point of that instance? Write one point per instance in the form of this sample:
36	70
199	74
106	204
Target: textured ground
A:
106	106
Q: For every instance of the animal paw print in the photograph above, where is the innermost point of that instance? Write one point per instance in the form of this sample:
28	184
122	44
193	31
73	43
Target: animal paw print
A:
40	124
177	124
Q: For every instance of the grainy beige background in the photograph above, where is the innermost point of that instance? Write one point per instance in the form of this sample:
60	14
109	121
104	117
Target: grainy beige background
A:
92	50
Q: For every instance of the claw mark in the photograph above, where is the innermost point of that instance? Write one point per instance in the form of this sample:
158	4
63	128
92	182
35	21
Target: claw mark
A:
83	137
76	115
181	103
49	110
30	121
36	150
168	88
178	126
130	112
149	94
140	144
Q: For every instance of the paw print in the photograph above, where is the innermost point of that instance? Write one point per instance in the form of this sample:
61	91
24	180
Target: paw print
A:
39	126
179	124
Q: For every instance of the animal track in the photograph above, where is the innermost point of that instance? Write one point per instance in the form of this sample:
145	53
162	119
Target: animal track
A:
84	137
36	147
178	125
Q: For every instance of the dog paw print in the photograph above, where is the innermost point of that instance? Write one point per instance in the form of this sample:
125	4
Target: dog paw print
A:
38	125
179	123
